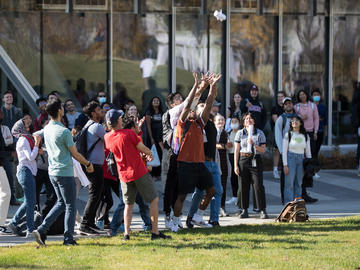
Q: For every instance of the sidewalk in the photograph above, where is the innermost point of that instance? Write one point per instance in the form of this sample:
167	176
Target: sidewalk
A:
338	192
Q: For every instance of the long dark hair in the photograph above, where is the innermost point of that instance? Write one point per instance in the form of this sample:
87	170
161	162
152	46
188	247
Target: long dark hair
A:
151	108
302	128
242	121
232	102
308	98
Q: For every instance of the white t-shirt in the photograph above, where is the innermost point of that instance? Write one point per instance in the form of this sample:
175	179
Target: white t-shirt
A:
298	145
147	66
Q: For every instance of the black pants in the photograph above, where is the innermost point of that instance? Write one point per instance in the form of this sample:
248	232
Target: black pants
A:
234	177
42	178
318	143
106	201
313	154
251	175
156	171
171	185
96	186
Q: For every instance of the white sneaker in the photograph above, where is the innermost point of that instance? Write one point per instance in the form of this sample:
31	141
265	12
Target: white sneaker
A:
176	224
168	222
233	200
276	174
316	176
199	221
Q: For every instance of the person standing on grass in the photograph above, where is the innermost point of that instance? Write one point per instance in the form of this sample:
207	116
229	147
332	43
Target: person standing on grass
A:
276	111
192	170
296	142
60	147
95	143
126	147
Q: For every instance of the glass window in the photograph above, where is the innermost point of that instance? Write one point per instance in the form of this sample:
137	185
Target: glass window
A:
75	55
346	6
252	55
123	5
157	5
198	42
303	53
141	52
20	37
346	70
296	6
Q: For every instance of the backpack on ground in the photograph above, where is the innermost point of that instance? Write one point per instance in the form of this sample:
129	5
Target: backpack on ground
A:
294	211
80	140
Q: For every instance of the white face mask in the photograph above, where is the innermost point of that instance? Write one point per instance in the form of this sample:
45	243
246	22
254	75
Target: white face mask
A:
234	126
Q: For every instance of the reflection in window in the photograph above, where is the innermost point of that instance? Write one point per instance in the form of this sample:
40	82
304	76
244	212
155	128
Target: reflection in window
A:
346	6
123	5
295	6
140	62
252	55
188	3
346	70
157	5
75	55
303	53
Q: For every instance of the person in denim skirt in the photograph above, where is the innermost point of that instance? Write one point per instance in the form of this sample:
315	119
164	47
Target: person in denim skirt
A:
27	149
295	143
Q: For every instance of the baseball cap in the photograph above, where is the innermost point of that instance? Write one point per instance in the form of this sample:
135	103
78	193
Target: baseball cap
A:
254	87
286	99
217	103
113	115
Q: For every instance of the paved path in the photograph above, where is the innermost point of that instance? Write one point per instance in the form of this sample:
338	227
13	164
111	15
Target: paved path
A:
338	192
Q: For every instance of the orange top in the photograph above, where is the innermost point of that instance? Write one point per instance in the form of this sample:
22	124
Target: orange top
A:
192	148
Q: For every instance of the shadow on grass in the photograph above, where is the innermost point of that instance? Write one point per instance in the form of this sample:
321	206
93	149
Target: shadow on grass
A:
22	266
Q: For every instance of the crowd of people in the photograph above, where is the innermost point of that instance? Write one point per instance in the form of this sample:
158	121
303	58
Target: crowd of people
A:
191	148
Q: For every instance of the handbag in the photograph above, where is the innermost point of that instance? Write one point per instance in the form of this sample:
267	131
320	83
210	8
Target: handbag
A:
156	160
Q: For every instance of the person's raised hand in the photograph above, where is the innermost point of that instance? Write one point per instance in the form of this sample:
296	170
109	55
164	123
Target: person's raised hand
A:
37	139
215	79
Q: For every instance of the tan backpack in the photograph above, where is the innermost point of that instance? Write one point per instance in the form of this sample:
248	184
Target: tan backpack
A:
294	211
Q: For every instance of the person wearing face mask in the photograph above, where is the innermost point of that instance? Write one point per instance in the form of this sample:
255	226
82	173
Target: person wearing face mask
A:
101	97
323	122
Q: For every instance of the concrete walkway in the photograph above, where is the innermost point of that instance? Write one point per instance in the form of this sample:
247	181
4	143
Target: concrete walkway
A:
338	192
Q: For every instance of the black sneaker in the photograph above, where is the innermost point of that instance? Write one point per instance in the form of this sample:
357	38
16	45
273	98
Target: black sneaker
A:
40	237
96	228
214	223
244	214
16	230
159	236
5	231
126	237
86	230
188	222
70	243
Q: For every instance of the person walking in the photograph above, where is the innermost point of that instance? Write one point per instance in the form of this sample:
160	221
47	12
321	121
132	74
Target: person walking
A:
295	143
250	142
27	149
60	147
96	155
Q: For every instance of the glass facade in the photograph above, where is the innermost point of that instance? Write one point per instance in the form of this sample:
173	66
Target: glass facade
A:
150	47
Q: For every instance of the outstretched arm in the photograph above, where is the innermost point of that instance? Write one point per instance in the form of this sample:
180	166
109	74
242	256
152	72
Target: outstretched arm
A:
189	100
211	98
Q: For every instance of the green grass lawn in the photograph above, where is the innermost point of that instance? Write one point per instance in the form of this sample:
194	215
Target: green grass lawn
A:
326	244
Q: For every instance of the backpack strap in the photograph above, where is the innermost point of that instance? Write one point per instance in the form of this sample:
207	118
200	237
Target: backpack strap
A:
93	145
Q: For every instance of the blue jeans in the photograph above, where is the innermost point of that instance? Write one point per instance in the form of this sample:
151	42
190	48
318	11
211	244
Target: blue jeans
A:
65	190
216	200
118	217
27	182
293	181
